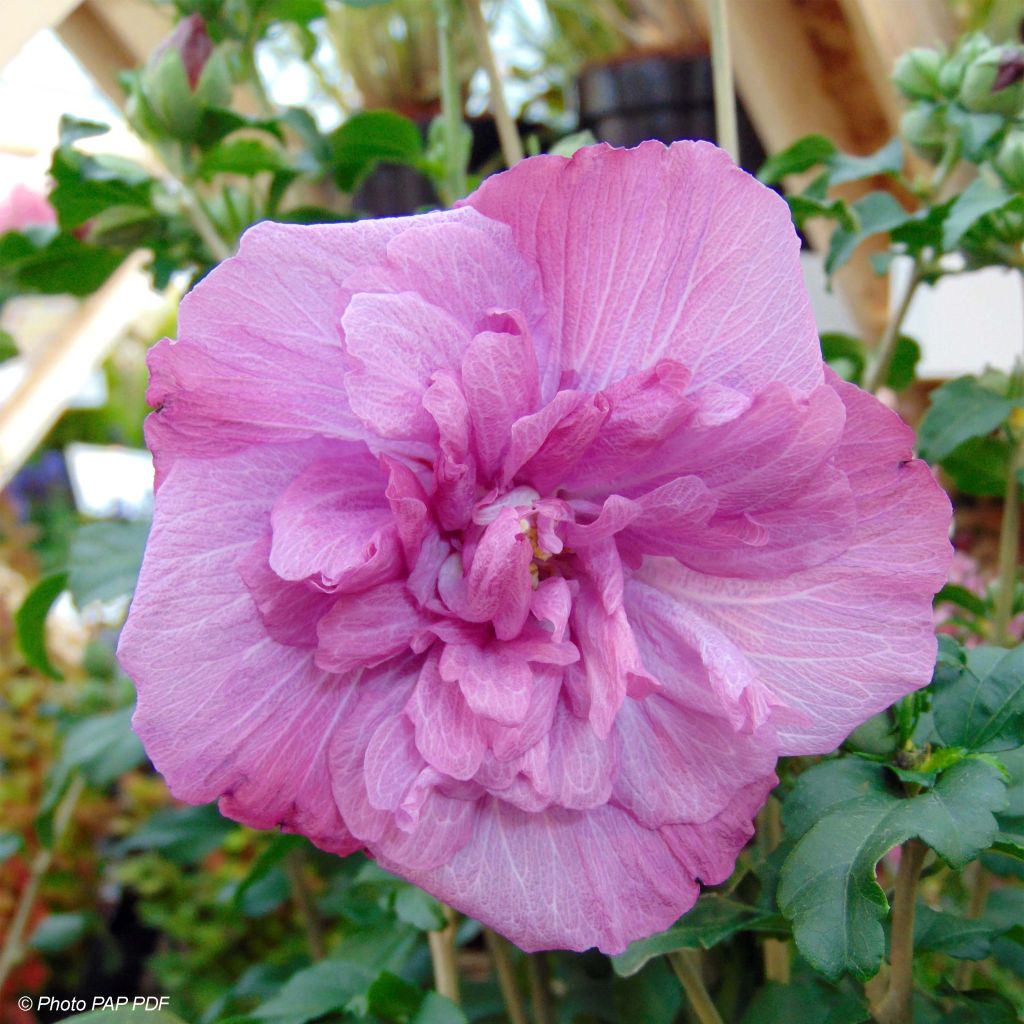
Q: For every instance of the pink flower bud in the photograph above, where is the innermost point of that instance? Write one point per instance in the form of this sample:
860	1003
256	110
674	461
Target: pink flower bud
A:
192	42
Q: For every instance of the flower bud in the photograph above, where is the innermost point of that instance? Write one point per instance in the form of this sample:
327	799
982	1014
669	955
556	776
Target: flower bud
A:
924	126
192	43
184	75
952	74
916	74
1009	161
994	83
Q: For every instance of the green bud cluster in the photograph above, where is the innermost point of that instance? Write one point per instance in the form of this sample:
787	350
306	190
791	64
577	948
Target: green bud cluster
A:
957	100
183	78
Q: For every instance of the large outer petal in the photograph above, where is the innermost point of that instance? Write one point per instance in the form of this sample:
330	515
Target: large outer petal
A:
560	879
658	253
225	711
834	644
259	355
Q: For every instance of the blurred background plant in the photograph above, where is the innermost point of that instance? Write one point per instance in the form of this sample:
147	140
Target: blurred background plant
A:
108	886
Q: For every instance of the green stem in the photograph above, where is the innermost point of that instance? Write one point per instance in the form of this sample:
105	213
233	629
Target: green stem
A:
1009	551
13	948
498	948
508	134
722	81
451	102
442	953
294	866
540	988
897	1006
879	372
686	964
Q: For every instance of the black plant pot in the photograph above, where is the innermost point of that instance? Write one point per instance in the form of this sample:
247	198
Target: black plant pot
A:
394	190
657	96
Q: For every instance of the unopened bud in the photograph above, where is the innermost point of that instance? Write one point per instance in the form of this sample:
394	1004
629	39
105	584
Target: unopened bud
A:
994	83
924	127
951	76
192	43
184	75
916	74
1009	161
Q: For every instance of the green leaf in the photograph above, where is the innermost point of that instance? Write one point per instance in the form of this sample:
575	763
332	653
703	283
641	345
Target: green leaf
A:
801	156
418	908
104	560
980	466
976	130
904	363
807	1001
394	999
959	937
887	160
959	410
10	844
184	835
278	848
847	355
124	1015
804	207
87	185
828	887
981	197
876	212
74	128
55	264
569	144
247	157
102	747
826	787
218	122
8	349
324	988
953	593
713	919
57	932
980	706
30	622
300	11
368	138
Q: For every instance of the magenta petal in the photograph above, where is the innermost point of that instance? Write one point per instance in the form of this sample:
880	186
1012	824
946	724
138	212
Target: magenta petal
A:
199	652
465	264
551	603
500	378
547	443
398	342
334	523
834	644
706	274
609	661
392	763
496	682
368	628
289	611
560	879
498	585
259	353
677	765
581	765
440	825
448	733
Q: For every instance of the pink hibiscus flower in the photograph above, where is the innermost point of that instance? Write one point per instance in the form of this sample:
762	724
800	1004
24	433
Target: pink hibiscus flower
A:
24	208
513	543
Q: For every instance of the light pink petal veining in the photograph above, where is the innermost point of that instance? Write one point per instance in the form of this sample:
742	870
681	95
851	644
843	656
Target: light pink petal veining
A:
707	274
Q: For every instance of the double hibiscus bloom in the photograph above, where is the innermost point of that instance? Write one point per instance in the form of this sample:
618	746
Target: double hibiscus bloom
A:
514	543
